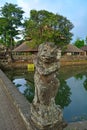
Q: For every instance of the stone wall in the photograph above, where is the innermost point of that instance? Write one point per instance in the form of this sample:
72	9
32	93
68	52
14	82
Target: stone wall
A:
73	60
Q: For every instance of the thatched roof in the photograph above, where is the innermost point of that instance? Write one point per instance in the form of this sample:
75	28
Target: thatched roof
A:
24	48
84	48
72	48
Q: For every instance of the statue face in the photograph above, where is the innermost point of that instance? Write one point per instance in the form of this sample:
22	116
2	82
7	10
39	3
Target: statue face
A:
47	53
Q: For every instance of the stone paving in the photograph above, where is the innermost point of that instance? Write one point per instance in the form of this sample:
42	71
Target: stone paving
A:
14	108
9	116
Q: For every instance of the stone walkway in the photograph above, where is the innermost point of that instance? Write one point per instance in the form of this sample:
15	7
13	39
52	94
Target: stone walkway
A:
9	116
14	108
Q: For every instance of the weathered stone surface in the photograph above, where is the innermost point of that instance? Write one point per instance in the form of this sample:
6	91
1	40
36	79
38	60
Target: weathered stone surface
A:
44	112
46	115
46	88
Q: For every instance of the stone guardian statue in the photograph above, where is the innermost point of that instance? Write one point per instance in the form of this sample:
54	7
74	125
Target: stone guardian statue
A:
45	114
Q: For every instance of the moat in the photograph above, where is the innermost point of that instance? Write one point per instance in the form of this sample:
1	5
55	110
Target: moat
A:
72	94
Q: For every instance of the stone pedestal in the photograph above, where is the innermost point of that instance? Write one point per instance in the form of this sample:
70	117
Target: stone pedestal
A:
45	114
47	117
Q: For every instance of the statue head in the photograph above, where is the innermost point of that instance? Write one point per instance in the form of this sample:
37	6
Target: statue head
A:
47	52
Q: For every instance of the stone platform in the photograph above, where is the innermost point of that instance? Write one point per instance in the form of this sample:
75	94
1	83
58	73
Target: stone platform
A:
14	108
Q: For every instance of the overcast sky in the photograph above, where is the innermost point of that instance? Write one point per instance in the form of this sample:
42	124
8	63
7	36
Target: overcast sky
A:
74	10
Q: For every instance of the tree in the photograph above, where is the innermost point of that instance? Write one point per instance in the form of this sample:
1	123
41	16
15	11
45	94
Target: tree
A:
79	43
10	21
86	40
46	26
3	29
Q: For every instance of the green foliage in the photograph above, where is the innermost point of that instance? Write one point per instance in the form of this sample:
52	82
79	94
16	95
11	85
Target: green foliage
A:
46	26
79	76
86	40
10	20
85	84
79	43
63	96
31	44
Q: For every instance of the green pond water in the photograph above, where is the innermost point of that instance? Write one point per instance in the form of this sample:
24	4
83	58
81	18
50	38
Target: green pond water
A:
71	96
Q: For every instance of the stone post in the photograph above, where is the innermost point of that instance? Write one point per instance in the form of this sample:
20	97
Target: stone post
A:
45	114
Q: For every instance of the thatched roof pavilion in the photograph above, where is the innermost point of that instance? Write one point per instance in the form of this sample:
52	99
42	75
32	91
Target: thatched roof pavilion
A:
24	47
24	52
84	48
73	50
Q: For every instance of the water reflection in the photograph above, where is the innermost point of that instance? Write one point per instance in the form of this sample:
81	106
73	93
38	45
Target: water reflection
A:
63	95
85	84
29	92
72	93
77	109
80	77
20	84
